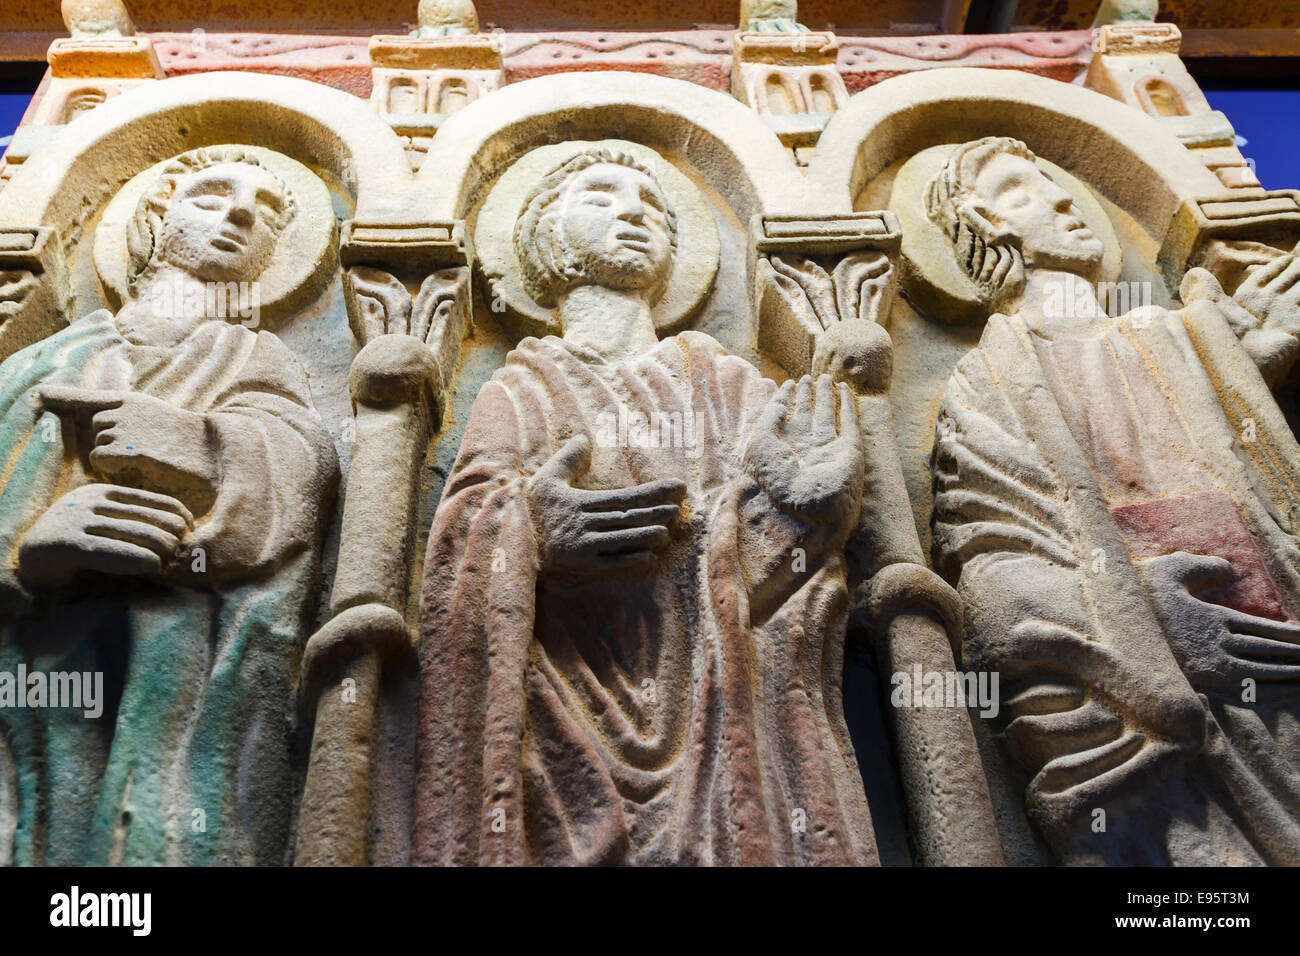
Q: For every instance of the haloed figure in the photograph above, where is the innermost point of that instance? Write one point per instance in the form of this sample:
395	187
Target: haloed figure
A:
160	510
1128	563
623	658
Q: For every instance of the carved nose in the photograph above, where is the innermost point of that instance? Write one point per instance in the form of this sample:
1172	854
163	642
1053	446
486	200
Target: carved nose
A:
633	209
241	214
1061	200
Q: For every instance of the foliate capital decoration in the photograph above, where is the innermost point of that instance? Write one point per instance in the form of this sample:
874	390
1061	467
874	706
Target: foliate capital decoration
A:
813	271
411	280
34	290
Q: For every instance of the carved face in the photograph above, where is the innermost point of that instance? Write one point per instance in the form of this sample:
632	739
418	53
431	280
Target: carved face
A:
1020	197
223	222
614	227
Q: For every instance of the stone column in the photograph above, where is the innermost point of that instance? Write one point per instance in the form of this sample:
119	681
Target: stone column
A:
823	285
398	383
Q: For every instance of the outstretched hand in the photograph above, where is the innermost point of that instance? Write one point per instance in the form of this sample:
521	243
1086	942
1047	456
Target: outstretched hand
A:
618	530
103	528
1218	647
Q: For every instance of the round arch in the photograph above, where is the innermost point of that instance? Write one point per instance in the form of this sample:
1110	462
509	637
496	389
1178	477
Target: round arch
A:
1128	156
85	162
723	140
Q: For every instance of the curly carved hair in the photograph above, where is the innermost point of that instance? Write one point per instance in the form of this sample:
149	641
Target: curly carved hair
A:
948	197
546	270
145	226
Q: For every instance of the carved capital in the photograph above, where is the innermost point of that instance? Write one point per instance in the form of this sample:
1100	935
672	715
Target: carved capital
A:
813	272
34	291
1201	228
410	280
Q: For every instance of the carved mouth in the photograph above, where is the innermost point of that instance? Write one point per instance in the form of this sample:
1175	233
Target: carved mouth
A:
227	242
637	239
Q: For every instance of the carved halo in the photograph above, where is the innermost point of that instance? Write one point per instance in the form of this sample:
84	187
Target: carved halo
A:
694	265
304	259
931	277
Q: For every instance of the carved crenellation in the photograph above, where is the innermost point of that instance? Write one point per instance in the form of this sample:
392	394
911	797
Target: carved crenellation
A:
421	80
790	78
1138	64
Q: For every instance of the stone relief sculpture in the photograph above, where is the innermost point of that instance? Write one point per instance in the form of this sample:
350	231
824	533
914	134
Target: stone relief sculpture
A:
1116	500
161	507
485	532
621	661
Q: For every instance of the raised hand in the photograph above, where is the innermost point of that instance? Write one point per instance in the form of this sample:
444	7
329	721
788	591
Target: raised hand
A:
622	530
103	528
809	463
1271	293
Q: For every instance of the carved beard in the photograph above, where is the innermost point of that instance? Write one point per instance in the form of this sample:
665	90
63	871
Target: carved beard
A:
622	273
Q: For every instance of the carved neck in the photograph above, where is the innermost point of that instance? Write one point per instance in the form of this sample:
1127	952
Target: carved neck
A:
1058	304
171	303
614	324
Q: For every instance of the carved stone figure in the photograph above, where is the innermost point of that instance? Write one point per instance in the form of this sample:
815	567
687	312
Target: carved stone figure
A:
631	648
165	483
1117	501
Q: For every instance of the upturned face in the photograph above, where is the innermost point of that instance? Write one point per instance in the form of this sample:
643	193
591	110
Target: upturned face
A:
614	225
1025	200
221	224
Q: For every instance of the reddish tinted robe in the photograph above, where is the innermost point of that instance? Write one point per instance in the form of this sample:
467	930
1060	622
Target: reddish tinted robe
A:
639	719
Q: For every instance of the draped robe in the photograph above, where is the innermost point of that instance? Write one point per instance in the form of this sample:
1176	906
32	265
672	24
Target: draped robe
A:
1056	466
638	719
190	761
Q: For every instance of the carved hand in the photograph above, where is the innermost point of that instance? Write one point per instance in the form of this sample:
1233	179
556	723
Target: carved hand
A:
1065	728
1271	293
104	528
141	440
620	530
1217	647
810	465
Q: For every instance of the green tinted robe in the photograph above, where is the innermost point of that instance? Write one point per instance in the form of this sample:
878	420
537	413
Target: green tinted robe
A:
189	762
